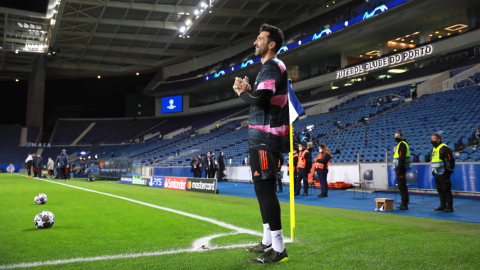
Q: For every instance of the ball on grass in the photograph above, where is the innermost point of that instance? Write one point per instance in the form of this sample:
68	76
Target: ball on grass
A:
41	198
44	220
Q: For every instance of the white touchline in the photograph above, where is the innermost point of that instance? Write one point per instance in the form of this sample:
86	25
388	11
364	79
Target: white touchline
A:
119	256
201	244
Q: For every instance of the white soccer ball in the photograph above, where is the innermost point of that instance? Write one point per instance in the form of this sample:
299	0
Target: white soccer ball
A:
44	220
41	198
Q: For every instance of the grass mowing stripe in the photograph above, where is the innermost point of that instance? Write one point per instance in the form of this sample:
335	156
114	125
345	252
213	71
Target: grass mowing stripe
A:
216	222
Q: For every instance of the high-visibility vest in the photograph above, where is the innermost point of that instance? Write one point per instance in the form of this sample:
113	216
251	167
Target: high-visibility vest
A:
317	164
301	159
321	165
408	165
438	166
294	168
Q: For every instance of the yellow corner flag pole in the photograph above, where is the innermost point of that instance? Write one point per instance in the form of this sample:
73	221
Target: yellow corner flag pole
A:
292	187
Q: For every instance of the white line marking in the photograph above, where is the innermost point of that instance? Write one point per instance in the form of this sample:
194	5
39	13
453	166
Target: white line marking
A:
211	220
119	256
197	245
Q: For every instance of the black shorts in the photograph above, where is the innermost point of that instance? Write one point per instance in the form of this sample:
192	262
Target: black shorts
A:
264	164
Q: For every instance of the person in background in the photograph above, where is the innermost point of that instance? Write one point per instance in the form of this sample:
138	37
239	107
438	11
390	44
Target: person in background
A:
112	155
413	91
221	167
312	169
322	162
442	164
304	135
217	126
62	163
29	162
401	163
194	165
34	165
214	166
296	139
96	157
39	165
206	165
160	137
50	167
476	134
200	167
304	165
281	161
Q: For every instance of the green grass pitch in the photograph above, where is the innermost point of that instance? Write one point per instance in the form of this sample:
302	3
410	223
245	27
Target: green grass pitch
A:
92	225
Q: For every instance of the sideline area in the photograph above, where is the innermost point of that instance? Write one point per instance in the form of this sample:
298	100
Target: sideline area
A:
465	207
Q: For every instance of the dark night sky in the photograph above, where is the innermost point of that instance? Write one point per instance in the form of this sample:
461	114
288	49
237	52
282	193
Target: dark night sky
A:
106	95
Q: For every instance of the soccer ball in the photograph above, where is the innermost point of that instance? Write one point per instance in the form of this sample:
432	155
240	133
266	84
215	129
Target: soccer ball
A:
44	220
41	198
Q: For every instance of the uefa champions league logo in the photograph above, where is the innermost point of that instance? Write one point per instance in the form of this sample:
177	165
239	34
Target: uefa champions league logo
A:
171	106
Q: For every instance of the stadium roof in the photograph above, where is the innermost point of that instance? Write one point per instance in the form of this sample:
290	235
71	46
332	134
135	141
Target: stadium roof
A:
95	37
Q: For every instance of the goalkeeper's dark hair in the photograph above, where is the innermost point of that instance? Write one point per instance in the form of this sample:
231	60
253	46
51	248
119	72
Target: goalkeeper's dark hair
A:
274	35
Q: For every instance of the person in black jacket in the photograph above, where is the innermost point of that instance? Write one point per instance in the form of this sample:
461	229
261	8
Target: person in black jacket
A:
304	166
34	165
39	165
214	167
194	165
62	164
442	164
401	163
279	174
322	168
221	167
207	164
199	167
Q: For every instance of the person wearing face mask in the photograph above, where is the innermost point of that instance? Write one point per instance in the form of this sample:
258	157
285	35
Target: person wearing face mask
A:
322	162
304	135
442	164
401	163
304	165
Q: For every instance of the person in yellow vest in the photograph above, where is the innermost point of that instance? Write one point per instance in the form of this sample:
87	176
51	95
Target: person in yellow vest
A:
442	164
279	174
218	126
304	165
401	163
322	162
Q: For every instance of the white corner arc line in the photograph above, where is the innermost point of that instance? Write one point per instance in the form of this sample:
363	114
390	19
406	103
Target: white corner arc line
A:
119	256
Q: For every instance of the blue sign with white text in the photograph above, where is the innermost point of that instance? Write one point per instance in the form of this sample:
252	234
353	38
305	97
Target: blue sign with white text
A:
172	104
156	181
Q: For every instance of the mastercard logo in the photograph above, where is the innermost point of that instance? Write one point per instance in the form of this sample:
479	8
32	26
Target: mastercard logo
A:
189	185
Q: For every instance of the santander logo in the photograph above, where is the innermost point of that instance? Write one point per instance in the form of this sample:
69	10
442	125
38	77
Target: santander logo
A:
178	183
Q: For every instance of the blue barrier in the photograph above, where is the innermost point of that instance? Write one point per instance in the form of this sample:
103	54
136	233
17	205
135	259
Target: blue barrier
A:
466	177
4	167
174	171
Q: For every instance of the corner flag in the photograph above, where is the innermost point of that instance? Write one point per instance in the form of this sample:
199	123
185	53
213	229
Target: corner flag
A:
294	110
294	107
